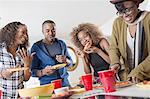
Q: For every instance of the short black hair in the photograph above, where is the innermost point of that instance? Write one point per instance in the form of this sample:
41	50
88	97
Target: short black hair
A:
48	21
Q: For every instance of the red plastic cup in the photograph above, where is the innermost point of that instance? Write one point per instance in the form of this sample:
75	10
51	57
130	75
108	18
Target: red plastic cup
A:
57	83
107	78
87	82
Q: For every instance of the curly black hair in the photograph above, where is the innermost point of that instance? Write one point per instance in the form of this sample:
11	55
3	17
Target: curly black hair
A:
90	29
8	33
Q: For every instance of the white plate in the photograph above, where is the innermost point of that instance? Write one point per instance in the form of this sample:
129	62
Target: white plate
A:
18	69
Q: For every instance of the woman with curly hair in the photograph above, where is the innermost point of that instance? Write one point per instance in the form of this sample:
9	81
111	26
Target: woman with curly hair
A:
91	47
13	54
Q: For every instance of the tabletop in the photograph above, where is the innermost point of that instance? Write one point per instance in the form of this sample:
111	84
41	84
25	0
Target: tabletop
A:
129	91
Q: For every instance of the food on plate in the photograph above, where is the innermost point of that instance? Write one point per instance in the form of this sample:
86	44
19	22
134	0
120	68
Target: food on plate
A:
118	85
18	69
58	66
122	83
144	84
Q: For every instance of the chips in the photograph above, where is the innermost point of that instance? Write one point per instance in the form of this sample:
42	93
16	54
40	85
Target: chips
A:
58	66
18	69
144	84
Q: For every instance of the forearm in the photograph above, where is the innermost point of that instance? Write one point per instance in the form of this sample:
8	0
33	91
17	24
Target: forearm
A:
114	56
87	68
27	74
5	74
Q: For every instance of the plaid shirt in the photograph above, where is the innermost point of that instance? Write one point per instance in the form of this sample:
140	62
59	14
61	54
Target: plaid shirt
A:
10	86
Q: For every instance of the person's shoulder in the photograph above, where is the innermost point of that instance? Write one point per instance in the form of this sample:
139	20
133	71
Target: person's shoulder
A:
38	42
118	20
103	41
147	15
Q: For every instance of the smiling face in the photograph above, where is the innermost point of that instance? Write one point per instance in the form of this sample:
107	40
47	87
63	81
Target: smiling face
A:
49	31
21	35
84	38
130	11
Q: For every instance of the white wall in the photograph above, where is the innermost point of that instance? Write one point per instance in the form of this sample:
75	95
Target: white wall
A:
66	14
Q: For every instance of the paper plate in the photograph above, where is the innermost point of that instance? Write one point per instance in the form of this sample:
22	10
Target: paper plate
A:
18	69
144	84
58	66
44	90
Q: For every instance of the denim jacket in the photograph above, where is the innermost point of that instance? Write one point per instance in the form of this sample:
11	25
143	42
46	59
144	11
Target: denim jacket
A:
42	59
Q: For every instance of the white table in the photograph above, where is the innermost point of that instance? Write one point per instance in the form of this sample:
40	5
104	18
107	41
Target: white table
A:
130	91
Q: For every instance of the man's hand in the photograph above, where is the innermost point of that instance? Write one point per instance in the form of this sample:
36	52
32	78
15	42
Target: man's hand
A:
61	58
47	70
135	80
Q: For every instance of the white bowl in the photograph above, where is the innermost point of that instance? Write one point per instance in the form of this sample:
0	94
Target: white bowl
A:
61	90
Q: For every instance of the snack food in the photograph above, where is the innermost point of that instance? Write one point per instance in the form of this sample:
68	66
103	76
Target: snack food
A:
144	84
58	66
118	85
123	84
18	69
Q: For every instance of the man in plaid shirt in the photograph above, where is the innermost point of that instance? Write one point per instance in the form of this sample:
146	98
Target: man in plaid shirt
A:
13	54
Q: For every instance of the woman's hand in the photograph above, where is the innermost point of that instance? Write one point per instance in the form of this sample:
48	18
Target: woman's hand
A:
27	58
6	73
79	53
92	49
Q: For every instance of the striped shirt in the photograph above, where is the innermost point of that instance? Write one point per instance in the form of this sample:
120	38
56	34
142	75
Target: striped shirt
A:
10	86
